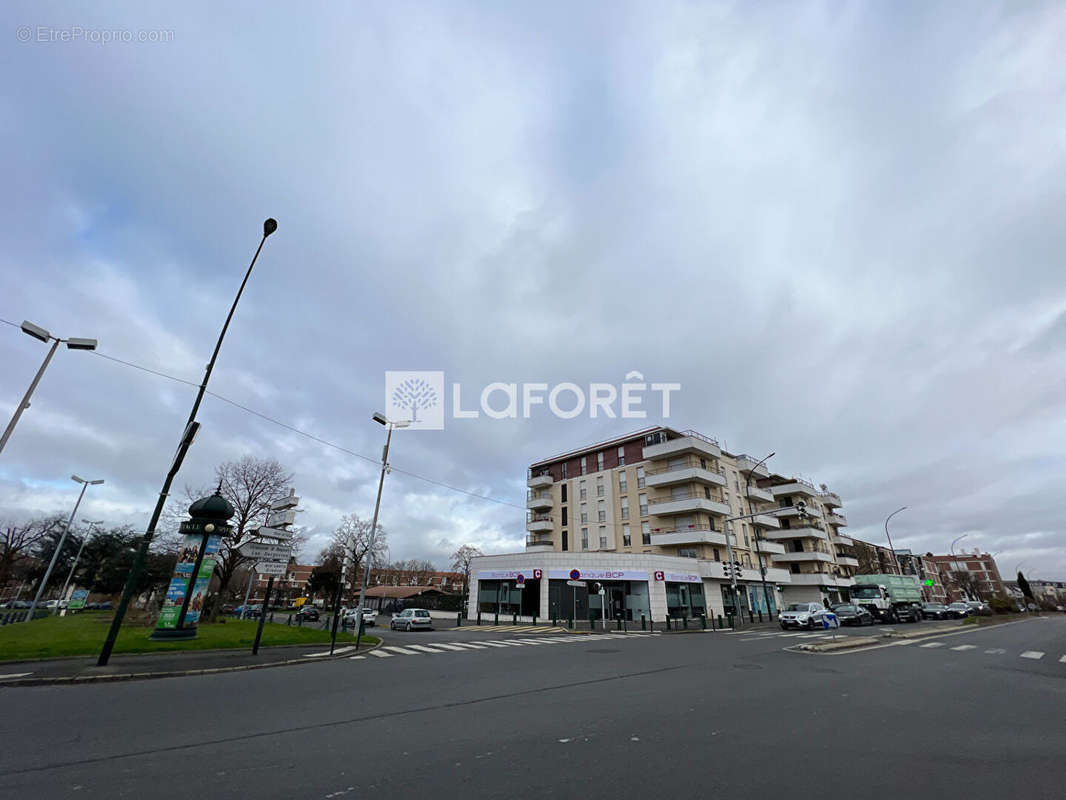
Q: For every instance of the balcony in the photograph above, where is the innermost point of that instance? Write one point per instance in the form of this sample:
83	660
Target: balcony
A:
688	472
746	462
688	536
539	523
836	519
666	506
818	579
831	499
837	538
691	442
804	557
755	493
796	486
769	548
539	481
766	521
539	500
795	533
536	544
847	561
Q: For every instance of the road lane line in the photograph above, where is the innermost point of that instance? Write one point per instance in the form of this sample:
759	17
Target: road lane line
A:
1036	655
448	646
965	647
424	648
15	675
932	644
995	651
469	646
379	654
489	644
356	658
1061	661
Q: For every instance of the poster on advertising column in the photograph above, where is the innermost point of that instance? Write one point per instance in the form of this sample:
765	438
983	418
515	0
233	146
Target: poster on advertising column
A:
179	583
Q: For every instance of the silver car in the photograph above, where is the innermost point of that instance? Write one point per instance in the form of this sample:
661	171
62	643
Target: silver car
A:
803	615
411	619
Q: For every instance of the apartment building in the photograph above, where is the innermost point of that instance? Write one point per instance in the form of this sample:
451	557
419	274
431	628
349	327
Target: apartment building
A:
657	514
969	576
875	559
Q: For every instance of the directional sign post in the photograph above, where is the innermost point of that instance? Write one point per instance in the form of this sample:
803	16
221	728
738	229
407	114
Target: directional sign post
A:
265	552
274	533
272	567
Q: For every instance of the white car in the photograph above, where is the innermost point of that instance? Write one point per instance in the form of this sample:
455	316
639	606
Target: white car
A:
803	615
370	617
411	618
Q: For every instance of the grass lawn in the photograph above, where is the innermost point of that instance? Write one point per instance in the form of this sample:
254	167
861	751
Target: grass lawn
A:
83	634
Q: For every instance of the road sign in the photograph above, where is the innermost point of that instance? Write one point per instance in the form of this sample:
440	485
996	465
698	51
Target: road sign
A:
578	584
265	552
575	574
281	518
660	575
77	599
272	567
520	579
537	574
274	533
830	620
286	502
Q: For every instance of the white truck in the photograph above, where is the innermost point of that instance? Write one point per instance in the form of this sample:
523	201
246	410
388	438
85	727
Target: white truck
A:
890	598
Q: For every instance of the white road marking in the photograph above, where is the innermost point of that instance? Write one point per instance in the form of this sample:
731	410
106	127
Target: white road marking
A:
423	648
1036	655
338	651
447	646
379	654
402	651
965	647
1061	661
356	658
790	635
15	675
995	651
490	644
469	646
932	644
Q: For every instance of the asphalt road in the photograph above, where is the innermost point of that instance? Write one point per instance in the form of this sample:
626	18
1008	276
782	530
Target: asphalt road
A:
734	715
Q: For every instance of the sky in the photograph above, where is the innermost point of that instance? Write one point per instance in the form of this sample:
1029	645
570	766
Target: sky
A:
836	225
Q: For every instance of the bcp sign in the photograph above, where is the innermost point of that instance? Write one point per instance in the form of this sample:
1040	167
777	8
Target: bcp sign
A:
660	576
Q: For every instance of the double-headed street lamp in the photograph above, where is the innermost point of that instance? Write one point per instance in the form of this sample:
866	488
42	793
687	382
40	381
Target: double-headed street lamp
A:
37	332
92	524
59	547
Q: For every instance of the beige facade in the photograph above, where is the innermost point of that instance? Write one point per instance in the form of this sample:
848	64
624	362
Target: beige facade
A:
672	493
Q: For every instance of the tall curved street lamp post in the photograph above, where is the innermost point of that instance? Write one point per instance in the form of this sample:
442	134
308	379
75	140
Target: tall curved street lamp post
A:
755	530
269	226
37	332
889	537
92	526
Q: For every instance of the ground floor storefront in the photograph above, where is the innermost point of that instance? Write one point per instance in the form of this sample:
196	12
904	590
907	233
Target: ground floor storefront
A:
583	586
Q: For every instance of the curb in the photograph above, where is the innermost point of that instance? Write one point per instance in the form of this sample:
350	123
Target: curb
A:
847	644
180	673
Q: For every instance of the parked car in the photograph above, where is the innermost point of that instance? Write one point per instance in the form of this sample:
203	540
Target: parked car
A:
307	614
104	606
935	611
802	615
960	610
980	607
411	618
908	612
370	617
849	614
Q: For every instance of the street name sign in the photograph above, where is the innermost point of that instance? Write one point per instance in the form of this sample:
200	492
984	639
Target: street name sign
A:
274	533
272	567
578	584
265	552
281	518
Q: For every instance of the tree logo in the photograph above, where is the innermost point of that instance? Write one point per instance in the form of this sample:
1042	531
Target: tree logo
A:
416	397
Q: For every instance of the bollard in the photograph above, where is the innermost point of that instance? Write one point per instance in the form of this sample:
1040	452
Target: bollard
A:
643	623
721	624
668	622
570	622
479	616
459	620
712	622
496	618
618	621
703	621
514	618
534	619
760	615
625	628
729	618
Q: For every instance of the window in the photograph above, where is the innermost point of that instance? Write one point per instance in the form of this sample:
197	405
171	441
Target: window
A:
621	456
640	477
717	555
626	541
599	461
601	514
645	532
566	542
643	505
625	508
584	538
584	513
603	538
707	492
563	488
623	485
564	470
599	487
583	493
564	515
710	524
584	464
687	552
703	463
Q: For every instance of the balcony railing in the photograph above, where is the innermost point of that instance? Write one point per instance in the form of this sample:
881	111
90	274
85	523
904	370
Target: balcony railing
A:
701	437
689	463
682	496
538	518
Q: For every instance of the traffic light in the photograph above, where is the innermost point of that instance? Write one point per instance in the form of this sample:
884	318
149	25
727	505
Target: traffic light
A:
801	507
732	569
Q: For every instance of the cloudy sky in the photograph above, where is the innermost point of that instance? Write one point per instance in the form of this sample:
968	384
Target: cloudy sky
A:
837	225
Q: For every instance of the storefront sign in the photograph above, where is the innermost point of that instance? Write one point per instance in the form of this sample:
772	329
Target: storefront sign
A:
682	577
599	574
505	575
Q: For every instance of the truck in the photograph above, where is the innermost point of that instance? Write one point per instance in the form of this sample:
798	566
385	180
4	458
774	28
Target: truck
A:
890	598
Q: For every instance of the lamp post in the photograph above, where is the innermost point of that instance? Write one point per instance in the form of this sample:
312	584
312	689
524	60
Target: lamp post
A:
269	226
758	547
955	541
887	536
59	547
389	424
77	558
37	332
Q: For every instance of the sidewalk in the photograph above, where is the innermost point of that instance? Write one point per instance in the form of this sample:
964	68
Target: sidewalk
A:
165	665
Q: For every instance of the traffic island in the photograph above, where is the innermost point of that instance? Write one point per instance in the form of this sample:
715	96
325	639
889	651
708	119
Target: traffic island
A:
845	643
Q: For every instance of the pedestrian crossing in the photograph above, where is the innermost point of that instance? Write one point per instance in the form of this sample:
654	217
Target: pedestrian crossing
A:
444	648
1029	655
509	629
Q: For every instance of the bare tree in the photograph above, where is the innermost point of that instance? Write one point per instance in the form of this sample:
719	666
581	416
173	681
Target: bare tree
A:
354	543
411	572
967	583
18	540
461	559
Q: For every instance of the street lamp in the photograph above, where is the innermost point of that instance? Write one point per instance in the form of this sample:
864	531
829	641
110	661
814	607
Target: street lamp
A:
389	424
77	558
59	547
37	332
957	539
755	529
187	436
887	536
